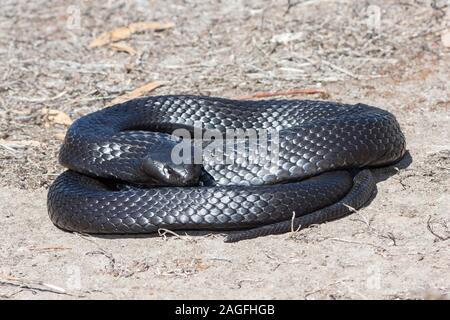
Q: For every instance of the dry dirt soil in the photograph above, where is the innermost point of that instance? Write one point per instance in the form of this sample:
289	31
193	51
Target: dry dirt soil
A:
387	53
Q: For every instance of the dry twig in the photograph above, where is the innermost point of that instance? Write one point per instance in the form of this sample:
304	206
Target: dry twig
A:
291	92
430	228
32	285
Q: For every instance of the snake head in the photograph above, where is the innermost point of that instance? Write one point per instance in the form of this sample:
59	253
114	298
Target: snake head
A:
163	171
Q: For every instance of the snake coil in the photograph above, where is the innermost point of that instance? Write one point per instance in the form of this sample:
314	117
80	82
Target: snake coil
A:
122	179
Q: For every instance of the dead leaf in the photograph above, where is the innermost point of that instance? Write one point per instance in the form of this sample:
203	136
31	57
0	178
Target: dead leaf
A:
122	33
123	48
56	117
146	88
445	38
199	265
153	25
117	34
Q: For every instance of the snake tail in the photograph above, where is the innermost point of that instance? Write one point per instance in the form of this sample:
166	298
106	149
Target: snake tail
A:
363	189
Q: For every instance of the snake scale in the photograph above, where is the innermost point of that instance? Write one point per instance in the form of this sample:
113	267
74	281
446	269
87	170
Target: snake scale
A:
122	177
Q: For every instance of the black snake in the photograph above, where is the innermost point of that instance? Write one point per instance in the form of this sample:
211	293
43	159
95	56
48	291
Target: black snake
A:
122	178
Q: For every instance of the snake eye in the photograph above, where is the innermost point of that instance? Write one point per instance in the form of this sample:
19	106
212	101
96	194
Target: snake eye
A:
168	170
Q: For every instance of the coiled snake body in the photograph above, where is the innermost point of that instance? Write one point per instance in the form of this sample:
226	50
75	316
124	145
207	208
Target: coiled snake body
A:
122	177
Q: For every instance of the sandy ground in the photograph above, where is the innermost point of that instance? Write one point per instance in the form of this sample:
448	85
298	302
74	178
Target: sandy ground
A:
384	53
